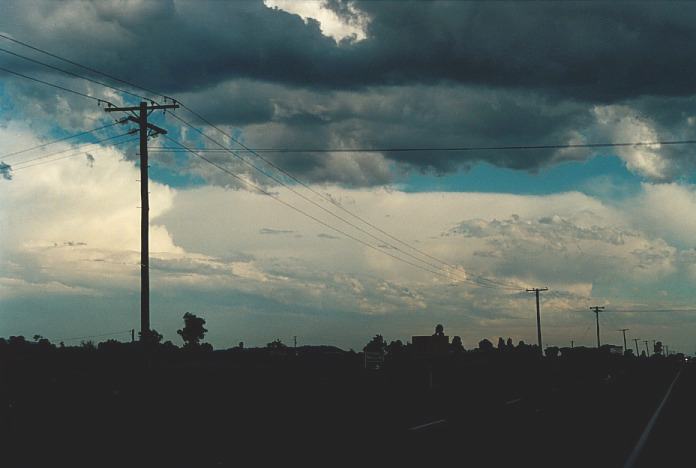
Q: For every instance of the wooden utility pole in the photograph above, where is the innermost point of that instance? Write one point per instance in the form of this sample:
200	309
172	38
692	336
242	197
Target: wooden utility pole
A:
536	291
637	351
624	330
139	116
647	351
597	310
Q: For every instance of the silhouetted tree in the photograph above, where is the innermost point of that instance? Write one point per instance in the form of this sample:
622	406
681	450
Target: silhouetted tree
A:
552	352
501	344
109	345
657	347
276	344
88	345
17	341
193	331
485	345
395	348
150	338
509	344
439	330
376	345
457	345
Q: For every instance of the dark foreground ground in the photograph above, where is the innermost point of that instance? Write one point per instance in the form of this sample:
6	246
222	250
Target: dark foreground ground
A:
73	407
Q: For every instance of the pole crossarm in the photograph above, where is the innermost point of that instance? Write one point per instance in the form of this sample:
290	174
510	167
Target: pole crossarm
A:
149	125
137	108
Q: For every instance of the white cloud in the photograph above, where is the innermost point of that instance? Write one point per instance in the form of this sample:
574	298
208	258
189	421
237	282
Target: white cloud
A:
332	25
624	125
72	229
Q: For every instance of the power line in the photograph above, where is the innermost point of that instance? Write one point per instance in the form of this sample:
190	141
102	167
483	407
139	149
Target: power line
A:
446	148
69	156
491	283
93	336
304	213
67	72
73	149
277	180
43	145
268	175
84	67
63	88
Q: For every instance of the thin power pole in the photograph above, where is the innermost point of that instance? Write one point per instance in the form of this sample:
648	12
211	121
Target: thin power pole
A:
536	291
637	351
647	351
624	330
597	310
141	113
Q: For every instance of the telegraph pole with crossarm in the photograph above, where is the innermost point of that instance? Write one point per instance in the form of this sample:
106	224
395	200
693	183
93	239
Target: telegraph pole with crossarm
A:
140	114
624	330
597	310
536	291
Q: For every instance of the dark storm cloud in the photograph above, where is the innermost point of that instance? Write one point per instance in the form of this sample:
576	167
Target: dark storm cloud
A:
402	116
428	74
594	51
5	171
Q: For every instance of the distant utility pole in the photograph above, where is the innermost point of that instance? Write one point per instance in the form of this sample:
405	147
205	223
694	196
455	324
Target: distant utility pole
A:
647	351
536	291
624	330
637	351
666	350
572	343
597	310
139	116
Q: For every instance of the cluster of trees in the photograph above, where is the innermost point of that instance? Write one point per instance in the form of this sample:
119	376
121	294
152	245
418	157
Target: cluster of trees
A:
192	334
379	345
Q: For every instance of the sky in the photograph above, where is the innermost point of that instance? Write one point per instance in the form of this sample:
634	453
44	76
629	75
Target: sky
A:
608	226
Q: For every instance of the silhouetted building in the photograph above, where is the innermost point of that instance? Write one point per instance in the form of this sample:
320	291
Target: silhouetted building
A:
435	345
613	349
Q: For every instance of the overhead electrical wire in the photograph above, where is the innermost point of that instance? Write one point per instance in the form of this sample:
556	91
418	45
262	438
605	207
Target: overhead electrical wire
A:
53	85
71	155
77	153
84	145
263	191
84	67
481	281
432	149
7	156
455	272
321	195
77	75
278	181
122	332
